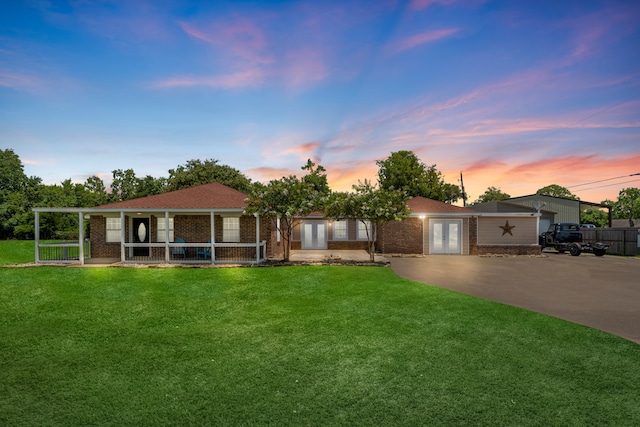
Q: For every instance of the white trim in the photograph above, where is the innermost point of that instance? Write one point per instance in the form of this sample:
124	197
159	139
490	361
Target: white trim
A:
81	237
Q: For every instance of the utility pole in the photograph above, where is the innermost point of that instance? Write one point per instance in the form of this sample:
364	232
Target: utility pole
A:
464	195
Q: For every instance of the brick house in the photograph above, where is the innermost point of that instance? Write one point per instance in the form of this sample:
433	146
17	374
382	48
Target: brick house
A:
435	227
207	224
432	228
202	224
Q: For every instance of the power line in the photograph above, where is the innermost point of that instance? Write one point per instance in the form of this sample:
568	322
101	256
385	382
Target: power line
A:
603	180
607	185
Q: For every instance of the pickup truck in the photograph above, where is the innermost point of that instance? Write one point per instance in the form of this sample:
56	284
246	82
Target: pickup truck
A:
566	236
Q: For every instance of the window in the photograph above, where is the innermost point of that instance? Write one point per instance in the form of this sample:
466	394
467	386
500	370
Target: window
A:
230	229
362	230
340	230
114	226
161	236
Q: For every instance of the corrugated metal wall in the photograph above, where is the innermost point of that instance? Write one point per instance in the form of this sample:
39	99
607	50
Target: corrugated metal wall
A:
565	210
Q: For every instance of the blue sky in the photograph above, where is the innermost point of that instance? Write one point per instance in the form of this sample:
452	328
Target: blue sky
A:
513	94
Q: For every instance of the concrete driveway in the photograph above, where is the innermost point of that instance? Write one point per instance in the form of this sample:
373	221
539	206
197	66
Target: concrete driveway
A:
601	292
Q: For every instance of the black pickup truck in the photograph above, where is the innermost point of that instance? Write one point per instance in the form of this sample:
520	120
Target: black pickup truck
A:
566	236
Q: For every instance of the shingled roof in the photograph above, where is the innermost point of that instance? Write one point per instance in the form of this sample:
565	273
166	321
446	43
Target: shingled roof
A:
207	196
423	205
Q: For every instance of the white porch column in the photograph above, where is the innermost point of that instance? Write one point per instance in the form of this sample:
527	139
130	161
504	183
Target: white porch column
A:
213	237
36	236
81	236
257	238
122	228
166	234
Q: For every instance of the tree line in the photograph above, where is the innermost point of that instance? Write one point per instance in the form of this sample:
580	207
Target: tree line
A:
400	176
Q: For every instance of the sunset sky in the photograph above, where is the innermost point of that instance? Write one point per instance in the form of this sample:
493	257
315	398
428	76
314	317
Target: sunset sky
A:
514	94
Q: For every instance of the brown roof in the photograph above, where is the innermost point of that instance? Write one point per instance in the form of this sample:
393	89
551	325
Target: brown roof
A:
207	196
423	205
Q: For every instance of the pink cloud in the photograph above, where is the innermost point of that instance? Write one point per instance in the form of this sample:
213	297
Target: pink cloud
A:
420	39
247	78
304	149
423	4
19	81
265	174
305	66
242	40
527	177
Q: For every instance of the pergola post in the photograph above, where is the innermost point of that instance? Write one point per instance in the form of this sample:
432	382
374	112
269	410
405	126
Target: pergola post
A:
213	237
81	236
122	234
166	235
36	236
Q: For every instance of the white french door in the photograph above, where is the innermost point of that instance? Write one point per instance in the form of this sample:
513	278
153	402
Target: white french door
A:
445	236
314	235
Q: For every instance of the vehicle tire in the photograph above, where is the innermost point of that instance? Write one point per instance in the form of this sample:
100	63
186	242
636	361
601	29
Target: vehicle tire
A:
599	252
575	249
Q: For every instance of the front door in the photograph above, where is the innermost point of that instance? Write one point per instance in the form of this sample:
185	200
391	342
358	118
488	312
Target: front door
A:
314	235
141	234
445	236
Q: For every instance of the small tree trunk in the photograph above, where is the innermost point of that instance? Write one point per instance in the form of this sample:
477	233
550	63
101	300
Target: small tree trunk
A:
372	250
286	250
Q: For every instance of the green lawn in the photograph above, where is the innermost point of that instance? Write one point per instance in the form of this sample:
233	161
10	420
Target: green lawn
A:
294	346
16	251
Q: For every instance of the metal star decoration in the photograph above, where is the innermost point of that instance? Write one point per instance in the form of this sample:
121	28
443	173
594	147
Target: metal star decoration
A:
507	228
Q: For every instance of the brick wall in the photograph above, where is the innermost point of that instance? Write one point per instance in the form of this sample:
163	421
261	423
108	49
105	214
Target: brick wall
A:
473	236
403	237
192	228
100	248
508	250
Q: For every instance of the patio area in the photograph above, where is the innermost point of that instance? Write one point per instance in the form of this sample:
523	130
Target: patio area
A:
334	255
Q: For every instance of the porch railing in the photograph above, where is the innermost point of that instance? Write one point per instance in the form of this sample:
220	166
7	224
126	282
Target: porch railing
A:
65	251
195	253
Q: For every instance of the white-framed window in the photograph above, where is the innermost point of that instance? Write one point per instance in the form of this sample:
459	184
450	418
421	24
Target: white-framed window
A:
114	226
340	230
363	226
161	235
230	229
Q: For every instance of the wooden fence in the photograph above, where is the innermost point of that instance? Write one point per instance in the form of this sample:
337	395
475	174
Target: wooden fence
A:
623	241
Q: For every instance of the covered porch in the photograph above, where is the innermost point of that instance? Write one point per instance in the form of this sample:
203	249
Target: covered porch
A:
152	236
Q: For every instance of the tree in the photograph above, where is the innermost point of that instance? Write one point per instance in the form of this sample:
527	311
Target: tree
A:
12	176
289	199
16	216
628	205
594	216
97	192
124	185
555	190
370	205
403	171
18	194
149	186
196	172
491	194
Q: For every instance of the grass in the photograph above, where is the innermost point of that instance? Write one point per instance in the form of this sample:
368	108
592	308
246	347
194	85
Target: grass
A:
16	252
294	346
